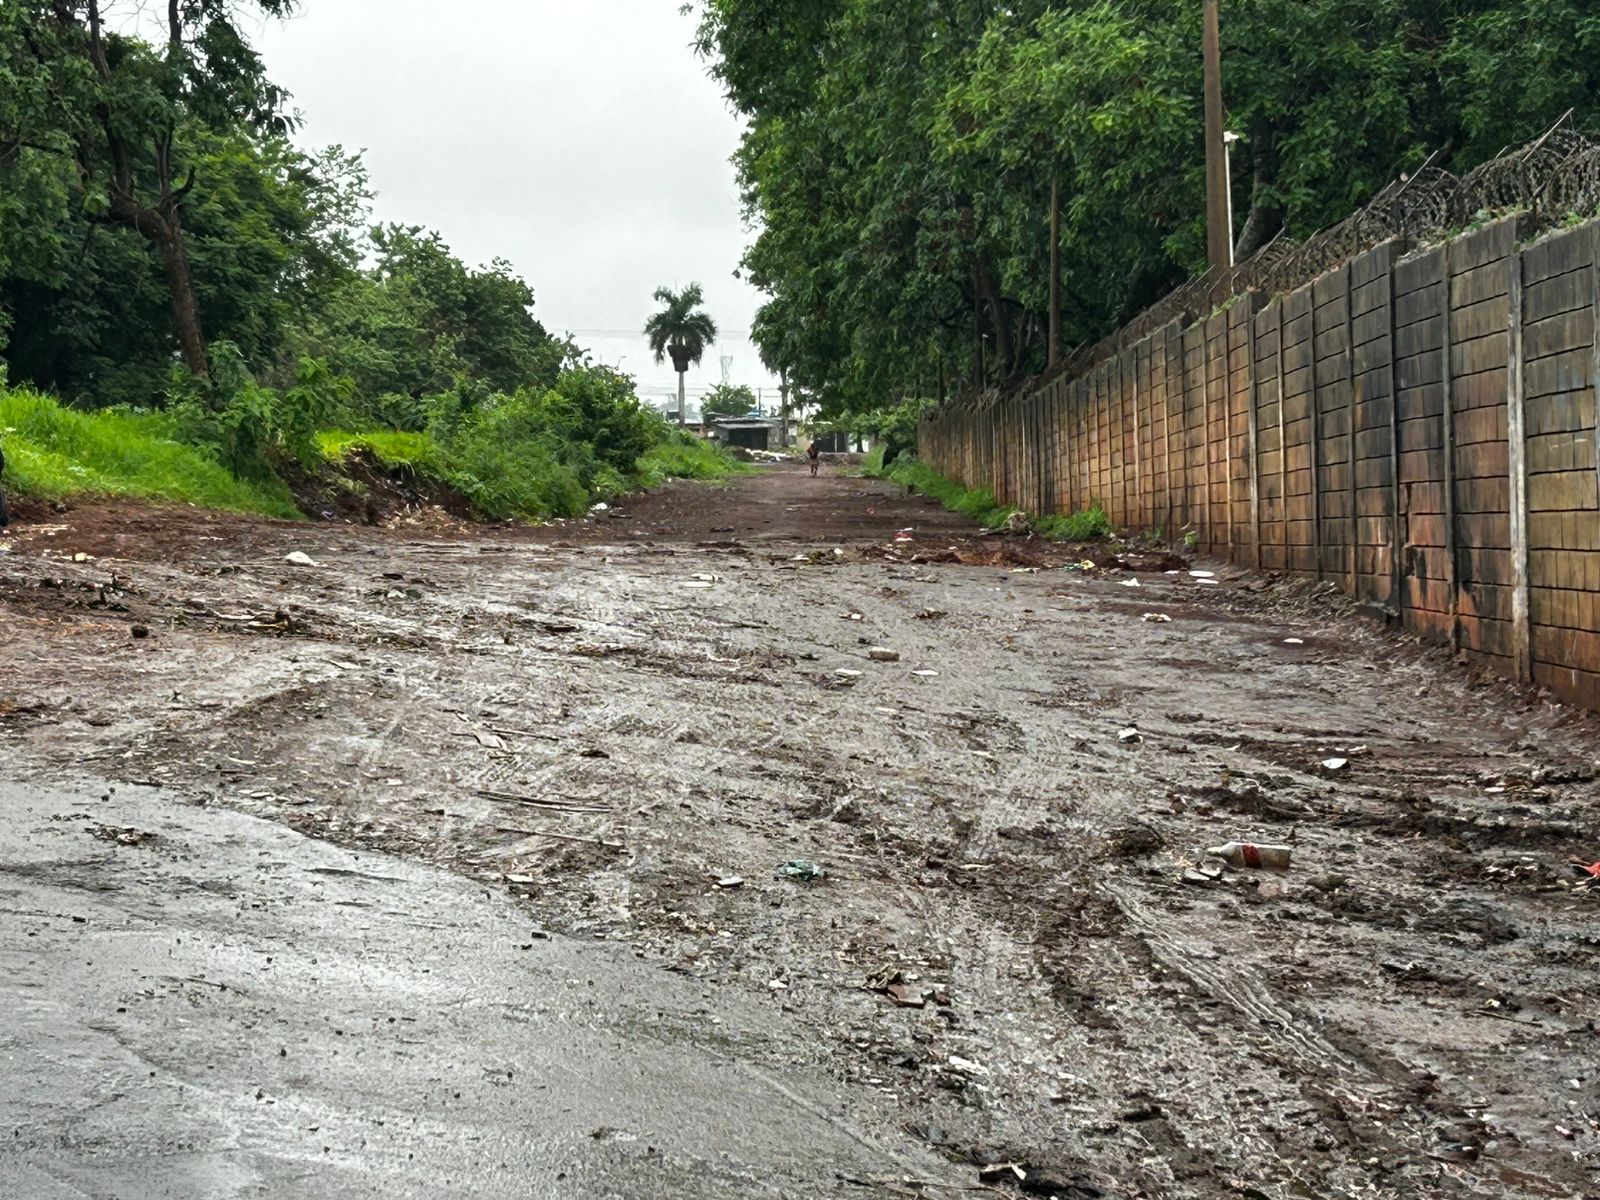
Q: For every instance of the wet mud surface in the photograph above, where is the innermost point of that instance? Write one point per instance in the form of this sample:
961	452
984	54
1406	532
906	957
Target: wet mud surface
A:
1018	972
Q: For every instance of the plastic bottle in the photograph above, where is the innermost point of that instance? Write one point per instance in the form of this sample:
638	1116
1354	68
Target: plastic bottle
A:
1251	854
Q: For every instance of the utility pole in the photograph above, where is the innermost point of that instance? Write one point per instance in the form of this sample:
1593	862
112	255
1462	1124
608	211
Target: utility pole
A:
1055	268
1219	238
783	404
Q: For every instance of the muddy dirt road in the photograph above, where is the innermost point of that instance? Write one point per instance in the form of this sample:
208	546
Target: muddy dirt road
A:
1016	973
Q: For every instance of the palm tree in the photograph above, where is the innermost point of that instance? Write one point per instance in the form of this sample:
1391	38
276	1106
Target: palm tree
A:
682	329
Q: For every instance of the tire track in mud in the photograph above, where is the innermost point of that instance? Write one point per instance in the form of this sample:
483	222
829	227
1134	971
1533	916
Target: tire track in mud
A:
1186	1041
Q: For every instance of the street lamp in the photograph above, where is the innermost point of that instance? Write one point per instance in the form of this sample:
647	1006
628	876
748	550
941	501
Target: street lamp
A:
1228	139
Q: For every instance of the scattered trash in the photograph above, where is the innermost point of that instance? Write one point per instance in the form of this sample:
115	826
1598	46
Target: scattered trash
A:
1130	583
1294	641
847	673
1333	766
777	985
730	881
851	616
1251	854
924	673
883	654
1212	582
906	995
967	1065
80	556
299	558
1202	574
1156	618
1588	872
273	622
601	507
1130	735
799	868
698	581
122	835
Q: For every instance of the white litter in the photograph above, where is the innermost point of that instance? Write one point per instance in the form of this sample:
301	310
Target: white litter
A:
925	673
1130	583
1202	574
1156	618
1130	734
299	558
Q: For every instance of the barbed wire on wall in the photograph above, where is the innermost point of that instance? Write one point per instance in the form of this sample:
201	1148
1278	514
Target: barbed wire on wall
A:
1550	179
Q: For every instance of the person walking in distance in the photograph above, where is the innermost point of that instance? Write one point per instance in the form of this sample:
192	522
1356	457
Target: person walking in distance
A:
814	455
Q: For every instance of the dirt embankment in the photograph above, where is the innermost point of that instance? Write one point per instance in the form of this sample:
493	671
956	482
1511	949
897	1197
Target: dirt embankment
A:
1007	765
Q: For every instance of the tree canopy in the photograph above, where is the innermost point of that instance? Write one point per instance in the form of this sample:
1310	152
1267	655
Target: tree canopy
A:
681	328
900	154
728	400
165	247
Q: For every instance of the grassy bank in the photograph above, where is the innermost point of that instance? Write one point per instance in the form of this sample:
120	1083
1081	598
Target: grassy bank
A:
531	479
980	504
54	452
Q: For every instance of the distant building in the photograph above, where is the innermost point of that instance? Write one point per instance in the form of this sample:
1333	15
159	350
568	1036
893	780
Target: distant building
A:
749	432
835	442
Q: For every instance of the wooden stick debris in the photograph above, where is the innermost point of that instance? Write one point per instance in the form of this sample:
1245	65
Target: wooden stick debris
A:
558	802
565	837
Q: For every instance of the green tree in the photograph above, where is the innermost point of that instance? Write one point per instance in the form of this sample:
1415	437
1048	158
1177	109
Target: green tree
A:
119	107
728	400
683	330
899	157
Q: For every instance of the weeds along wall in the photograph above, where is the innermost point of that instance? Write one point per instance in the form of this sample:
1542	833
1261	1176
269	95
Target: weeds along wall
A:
1417	425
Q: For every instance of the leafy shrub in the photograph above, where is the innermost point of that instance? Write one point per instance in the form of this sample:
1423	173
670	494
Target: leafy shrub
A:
684	456
251	428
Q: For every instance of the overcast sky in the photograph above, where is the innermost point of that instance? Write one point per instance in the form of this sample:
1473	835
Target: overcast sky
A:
583	141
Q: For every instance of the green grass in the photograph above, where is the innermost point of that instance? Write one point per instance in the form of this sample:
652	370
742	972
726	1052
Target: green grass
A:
392	448
54	452
530	479
686	457
1087	526
980	504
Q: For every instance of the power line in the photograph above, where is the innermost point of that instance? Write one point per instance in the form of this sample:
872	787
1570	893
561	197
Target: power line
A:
634	333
